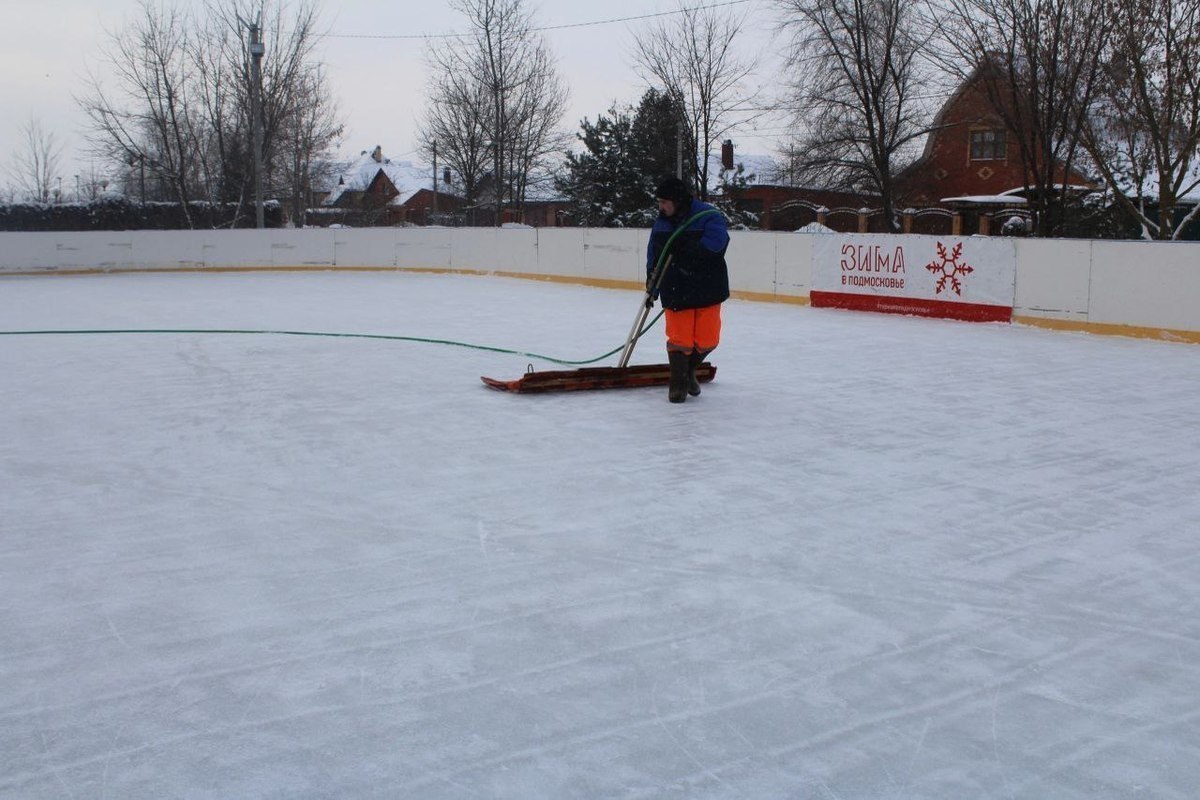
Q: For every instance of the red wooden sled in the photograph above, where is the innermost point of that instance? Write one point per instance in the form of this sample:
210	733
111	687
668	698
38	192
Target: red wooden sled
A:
573	380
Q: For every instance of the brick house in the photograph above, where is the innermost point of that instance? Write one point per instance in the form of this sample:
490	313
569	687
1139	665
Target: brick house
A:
378	191
969	154
970	170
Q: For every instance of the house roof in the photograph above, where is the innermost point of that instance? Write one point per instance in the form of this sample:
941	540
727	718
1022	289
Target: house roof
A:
986	200
409	177
757	165
967	84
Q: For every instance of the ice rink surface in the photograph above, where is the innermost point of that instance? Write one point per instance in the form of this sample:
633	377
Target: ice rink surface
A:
878	557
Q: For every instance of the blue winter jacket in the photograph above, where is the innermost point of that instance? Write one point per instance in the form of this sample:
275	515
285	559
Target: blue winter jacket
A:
697	275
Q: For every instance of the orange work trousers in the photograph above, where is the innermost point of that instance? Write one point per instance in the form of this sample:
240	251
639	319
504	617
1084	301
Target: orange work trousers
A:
694	328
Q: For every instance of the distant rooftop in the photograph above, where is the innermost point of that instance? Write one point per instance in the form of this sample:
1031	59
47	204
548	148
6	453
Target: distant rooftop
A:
408	177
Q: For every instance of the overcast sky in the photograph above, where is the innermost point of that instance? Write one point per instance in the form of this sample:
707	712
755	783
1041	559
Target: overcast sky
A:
51	45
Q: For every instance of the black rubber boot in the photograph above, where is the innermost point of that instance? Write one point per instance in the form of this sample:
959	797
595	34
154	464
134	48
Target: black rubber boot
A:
694	360
677	389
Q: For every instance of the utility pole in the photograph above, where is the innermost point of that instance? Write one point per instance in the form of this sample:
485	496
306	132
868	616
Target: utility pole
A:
256	54
679	152
435	208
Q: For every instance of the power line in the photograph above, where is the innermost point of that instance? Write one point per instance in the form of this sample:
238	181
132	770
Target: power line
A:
788	108
643	16
545	28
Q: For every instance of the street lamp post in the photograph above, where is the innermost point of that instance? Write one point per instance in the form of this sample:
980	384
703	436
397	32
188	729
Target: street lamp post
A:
140	160
256	53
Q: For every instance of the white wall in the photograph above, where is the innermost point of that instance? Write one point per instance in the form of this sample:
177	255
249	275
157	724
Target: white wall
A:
1080	283
1053	279
1101	283
611	254
753	258
1147	284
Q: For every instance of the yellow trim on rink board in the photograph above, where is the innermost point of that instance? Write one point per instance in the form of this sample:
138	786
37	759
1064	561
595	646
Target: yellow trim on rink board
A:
1108	329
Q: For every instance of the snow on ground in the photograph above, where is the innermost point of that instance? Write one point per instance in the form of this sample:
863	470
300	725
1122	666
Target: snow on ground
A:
879	557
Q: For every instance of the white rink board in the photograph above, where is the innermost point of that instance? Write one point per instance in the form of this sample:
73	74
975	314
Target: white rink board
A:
1146	283
1053	278
1151	285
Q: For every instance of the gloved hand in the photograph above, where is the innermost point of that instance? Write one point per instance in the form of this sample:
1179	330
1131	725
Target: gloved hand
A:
651	295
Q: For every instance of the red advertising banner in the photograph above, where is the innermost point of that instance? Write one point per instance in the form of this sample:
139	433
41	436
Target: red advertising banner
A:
967	278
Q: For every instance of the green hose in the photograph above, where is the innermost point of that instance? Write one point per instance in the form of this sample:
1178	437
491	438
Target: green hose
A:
420	339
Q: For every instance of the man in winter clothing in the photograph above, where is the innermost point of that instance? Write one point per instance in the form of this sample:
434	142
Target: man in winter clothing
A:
695	284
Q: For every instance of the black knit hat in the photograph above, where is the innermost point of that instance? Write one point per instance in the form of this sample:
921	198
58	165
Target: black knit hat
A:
674	190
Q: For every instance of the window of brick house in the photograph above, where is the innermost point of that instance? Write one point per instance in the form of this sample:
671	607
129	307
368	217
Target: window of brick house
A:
988	145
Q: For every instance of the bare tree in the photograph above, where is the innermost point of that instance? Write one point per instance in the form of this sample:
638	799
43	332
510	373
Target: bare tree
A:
855	79
498	81
304	138
535	118
181	105
92	183
297	108
455	130
35	166
297	114
150	121
691	56
1040	64
222	67
1145	134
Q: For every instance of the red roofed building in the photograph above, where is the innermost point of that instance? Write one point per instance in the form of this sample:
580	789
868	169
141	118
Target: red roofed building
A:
970	152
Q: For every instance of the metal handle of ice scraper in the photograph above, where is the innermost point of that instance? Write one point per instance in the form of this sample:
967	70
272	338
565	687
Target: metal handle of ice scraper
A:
643	312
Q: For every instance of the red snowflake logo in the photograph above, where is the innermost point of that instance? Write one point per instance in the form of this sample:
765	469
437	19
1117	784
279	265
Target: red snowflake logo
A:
947	268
